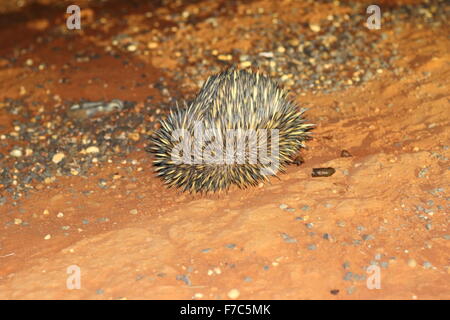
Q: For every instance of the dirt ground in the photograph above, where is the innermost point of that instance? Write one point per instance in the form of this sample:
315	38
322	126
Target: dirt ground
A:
297	237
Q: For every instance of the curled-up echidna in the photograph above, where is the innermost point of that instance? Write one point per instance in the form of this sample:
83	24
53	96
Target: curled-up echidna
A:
240	129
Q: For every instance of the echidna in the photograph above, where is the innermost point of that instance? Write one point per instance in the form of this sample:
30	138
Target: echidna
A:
240	129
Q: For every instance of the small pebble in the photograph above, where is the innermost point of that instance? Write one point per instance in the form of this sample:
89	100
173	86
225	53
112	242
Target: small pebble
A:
58	157
233	294
102	183
326	236
288	238
334	291
132	48
17	153
314	27
345	154
184	278
422	173
412	263
323	172
92	149
367	237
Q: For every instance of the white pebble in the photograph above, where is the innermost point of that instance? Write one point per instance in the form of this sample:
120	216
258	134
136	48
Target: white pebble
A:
17	153
57	158
233	294
314	27
92	149
412	263
132	47
266	54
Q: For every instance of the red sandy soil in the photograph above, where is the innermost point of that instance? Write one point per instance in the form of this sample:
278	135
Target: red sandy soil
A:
393	127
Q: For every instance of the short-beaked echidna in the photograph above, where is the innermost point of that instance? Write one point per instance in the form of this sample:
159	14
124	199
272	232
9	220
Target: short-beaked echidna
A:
240	129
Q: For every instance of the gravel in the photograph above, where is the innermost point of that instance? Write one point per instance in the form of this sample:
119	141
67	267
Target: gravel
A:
57	144
68	138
